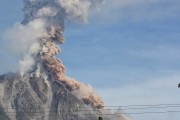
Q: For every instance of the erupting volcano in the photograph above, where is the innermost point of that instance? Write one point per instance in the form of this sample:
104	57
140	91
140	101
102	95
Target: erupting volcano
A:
41	90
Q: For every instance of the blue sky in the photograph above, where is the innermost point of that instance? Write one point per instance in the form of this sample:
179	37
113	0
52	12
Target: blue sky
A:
129	51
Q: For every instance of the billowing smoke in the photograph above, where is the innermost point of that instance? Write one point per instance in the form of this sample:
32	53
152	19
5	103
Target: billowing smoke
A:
41	49
40	34
24	41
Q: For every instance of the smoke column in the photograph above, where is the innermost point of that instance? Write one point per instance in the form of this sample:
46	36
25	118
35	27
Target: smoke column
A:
38	38
42	31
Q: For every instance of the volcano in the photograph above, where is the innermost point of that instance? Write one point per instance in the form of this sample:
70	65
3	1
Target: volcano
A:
40	90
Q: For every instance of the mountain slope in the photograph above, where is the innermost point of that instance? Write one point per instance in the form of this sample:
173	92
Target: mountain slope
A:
32	97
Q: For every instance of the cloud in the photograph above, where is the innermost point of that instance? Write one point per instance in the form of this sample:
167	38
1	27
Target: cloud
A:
162	90
137	10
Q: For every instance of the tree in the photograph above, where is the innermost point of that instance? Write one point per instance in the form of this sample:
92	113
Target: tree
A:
100	118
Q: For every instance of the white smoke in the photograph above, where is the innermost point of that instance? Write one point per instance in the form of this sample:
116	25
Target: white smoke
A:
76	9
24	37
46	11
70	9
24	41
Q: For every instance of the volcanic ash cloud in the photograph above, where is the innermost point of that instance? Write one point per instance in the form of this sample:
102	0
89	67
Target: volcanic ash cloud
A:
43	28
41	33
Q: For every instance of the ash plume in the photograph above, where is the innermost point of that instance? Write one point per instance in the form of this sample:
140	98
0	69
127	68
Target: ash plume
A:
52	14
41	33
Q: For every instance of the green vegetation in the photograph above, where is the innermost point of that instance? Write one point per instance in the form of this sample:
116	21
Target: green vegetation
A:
100	118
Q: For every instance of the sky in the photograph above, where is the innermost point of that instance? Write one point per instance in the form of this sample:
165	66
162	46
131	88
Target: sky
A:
128	51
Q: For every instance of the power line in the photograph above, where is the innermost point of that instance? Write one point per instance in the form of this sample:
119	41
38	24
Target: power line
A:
148	108
115	107
159	112
146	105
153	112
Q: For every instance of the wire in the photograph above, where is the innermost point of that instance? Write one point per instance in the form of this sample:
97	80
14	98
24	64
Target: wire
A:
119	107
148	108
146	105
160	112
